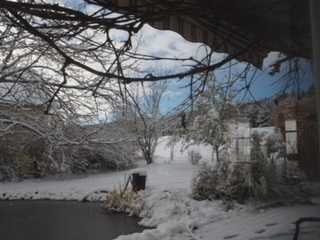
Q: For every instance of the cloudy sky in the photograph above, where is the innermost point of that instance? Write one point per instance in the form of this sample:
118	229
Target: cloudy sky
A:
170	44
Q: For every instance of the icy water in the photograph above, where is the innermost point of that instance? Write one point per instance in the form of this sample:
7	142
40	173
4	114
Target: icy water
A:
61	220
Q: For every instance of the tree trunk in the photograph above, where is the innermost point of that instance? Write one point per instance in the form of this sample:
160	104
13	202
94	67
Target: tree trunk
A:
217	155
148	156
212	154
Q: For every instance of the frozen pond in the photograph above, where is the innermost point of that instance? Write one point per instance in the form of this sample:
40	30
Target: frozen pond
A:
61	220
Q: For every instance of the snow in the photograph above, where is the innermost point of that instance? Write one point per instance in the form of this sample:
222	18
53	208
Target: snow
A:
177	217
159	176
274	223
168	207
180	154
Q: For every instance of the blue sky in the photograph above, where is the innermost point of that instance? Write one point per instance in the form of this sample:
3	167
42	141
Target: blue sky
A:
263	86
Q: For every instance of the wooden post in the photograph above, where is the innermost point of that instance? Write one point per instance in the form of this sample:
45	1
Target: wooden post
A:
315	30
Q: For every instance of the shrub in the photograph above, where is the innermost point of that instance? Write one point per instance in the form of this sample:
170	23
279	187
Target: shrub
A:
275	145
204	184
111	157
24	154
79	165
26	166
257	180
7	174
39	151
194	157
238	181
124	201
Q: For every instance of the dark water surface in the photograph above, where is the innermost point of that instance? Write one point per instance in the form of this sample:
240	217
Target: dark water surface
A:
61	220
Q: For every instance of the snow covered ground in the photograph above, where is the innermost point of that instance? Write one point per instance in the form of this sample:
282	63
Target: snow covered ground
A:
168	207
159	177
177	217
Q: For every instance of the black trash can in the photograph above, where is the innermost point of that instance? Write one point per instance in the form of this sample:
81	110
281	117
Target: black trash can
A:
138	181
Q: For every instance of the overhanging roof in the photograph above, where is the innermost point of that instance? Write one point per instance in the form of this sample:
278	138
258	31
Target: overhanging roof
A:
260	26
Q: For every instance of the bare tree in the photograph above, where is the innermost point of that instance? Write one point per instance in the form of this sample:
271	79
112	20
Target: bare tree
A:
79	47
82	41
143	117
151	118
67	61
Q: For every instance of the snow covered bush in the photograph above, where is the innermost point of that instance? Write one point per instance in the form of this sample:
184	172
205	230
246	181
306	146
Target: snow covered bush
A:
253	179
38	159
7	166
19	160
235	184
194	157
205	183
260	171
239	181
110	157
7	173
225	182
274	144
25	165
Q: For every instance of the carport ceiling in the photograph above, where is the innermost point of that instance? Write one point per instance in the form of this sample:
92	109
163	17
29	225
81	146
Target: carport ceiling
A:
260	26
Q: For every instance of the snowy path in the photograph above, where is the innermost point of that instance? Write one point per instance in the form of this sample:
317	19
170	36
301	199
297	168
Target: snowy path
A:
160	177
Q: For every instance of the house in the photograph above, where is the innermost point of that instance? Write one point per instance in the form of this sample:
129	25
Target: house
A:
297	120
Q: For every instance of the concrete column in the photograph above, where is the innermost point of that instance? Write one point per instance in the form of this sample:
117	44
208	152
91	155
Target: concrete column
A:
315	30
